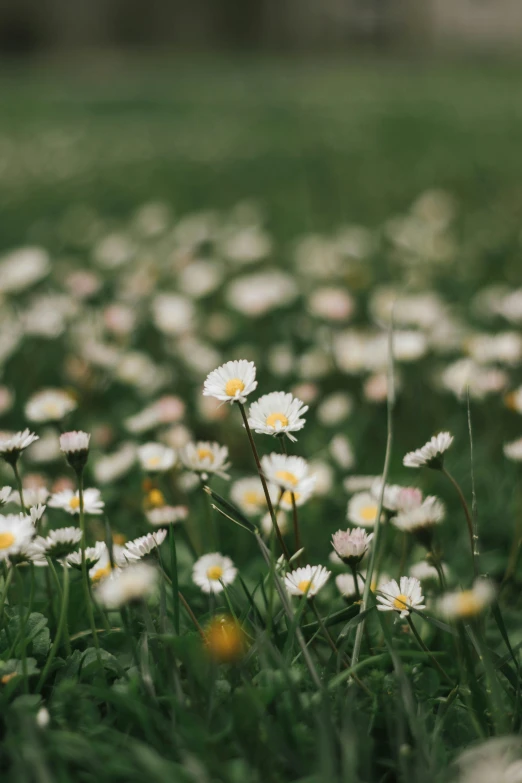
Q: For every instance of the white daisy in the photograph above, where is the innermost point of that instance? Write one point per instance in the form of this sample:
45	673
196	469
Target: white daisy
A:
362	509
144	545
396	497
431	454
401	597
75	446
92	556
167	515
345	583
206	458
58	543
49	405
267	526
430	512
213	571
36	513
16	532
351	545
33	496
103	568
465	604
156	458
307	581
277	413
248	495
12	444
289	473
70	501
5	495
425	572
232	382
135	583
513	450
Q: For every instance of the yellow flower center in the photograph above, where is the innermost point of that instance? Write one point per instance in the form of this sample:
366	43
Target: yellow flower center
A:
233	386
8	677
74	502
205	454
272	420
305	585
287	497
368	513
119	539
155	498
467	604
285	475
252	498
153	462
401	602
214	572
225	640
52	409
6	540
101	573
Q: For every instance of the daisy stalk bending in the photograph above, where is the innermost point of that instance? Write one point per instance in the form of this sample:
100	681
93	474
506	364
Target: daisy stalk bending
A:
233	382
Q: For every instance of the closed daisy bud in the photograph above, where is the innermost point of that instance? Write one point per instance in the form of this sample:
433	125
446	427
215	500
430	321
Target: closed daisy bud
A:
92	556
12	445
307	581
144	545
75	446
225	640
232	382
277	414
401	597
351	545
431	455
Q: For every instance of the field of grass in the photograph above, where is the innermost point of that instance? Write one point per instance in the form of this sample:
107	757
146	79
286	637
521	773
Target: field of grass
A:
183	213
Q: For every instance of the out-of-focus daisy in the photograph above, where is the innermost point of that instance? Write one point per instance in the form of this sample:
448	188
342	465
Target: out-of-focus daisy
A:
5	495
12	444
69	501
334	409
354	484
36	513
277	413
167	515
45	449
213	571
144	545
307	581
103	568
58	543
332	304
225	639
206	459
289	473
260	293
33	496
429	513
16	532
49	405
75	446
401	597
248	495
267	526
513	450
397	497
431	454
351	545
136	583
92	556
156	458
496	760
345	583
466	604
342	452
232	382
113	466
426	572
362	509
22	268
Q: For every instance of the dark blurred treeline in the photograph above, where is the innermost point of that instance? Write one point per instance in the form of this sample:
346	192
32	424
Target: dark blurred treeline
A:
28	26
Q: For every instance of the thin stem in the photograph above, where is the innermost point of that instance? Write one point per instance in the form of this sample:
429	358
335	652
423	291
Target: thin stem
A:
59	632
3	597
466	514
19	486
85	576
22	618
356	582
386	468
426	650
297	533
174	577
191	614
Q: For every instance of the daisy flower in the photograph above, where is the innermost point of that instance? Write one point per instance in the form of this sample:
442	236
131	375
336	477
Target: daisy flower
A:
513	450
167	515
277	413
156	458
307	581
206	458
430	512
12	444
144	545
401	597
431	454
103	567
69	501
345	583
267	526
426	572
33	496
49	405
396	497
58	544
289	473
362	509
16	532
92	556
232	382
248	495
5	495
213	571
135	583
465	604
351	545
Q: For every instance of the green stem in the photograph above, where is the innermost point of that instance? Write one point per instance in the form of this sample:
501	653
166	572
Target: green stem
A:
174	577
469	521
61	625
356	583
423	647
85	576
3	597
263	482
19	486
22	620
295	518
